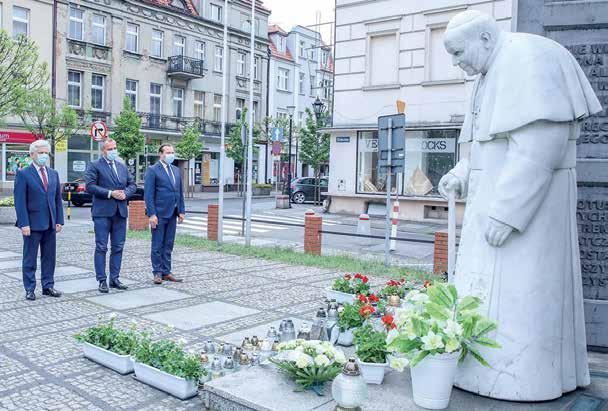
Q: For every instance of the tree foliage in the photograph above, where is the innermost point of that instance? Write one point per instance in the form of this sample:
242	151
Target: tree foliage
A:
20	71
314	146
235	147
129	138
190	146
40	116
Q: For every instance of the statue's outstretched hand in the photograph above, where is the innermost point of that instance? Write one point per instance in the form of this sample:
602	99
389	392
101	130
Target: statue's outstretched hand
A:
497	232
450	183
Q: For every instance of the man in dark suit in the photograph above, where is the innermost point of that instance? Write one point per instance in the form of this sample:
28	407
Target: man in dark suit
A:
165	207
111	185
40	217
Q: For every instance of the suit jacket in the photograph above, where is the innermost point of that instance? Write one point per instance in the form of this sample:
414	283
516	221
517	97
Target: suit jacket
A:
36	208
161	195
100	179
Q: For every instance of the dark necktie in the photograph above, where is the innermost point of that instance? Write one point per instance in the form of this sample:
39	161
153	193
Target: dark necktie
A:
114	170
171	173
45	182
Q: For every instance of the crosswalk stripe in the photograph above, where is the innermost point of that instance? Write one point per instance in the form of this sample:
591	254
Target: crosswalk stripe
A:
199	228
254	228
231	223
284	219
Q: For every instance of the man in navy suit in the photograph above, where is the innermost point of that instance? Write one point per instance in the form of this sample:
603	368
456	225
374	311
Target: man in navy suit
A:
40	217
111	185
165	207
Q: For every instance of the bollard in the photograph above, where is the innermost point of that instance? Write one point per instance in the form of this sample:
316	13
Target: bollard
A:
212	221
440	259
138	220
364	225
312	233
394	222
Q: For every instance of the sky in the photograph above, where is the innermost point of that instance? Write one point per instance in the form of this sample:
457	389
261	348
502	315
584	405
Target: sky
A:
288	13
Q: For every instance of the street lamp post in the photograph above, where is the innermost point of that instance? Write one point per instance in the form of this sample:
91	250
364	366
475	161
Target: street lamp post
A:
290	111
319	108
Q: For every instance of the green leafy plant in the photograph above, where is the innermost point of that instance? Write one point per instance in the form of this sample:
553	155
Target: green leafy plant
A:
107	336
350	316
264	186
371	344
127	126
309	363
170	357
190	146
7	202
439	322
352	284
314	146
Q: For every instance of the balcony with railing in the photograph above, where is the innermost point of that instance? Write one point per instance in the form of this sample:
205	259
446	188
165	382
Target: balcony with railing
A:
185	68
176	124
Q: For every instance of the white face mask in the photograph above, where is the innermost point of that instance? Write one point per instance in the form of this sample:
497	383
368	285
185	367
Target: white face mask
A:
42	159
169	158
112	155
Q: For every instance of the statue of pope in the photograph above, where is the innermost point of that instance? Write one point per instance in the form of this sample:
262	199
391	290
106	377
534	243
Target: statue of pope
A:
519	248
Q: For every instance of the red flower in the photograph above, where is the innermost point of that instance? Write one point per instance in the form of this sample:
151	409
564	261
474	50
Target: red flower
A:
357	275
426	284
362	298
347	276
373	298
364	279
393	283
388	321
366	311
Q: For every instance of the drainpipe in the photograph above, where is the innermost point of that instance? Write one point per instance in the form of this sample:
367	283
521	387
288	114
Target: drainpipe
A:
267	111
54	50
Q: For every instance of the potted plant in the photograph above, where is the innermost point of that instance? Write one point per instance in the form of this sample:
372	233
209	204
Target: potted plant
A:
109	346
262	189
435	332
346	288
8	215
165	365
309	363
350	317
371	353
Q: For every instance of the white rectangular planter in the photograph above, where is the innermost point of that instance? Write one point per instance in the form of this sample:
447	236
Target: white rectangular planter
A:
372	373
176	386
122	364
339	296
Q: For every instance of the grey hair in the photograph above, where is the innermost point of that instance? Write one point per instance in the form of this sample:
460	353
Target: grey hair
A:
37	144
473	19
103	143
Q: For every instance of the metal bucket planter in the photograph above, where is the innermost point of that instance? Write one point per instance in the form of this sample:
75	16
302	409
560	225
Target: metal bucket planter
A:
372	373
122	364
339	296
8	215
176	386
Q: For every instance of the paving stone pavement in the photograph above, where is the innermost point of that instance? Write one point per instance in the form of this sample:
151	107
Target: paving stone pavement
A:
222	297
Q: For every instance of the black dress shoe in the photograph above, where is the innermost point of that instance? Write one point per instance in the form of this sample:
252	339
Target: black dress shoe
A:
51	292
103	287
29	295
117	284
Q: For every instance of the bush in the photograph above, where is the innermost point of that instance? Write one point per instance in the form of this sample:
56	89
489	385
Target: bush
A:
371	345
263	186
109	338
7	202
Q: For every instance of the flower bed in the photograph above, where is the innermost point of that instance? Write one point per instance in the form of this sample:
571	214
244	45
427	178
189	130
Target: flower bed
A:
347	287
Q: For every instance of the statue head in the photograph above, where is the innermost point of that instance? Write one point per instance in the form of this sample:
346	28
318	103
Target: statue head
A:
470	38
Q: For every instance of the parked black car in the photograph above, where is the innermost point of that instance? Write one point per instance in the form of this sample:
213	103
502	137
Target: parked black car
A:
303	189
80	197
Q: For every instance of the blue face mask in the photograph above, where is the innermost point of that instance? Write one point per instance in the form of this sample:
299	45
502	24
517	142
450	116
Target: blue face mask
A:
112	155
169	158
42	159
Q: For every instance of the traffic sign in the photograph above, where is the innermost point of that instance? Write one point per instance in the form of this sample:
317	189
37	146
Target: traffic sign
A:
98	130
277	134
276	148
397	144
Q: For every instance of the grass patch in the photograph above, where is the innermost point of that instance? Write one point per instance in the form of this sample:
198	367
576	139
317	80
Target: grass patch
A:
344	263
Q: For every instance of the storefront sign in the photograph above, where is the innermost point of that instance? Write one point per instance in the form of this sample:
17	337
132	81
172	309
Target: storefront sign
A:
431	145
342	139
79	166
16	137
368	145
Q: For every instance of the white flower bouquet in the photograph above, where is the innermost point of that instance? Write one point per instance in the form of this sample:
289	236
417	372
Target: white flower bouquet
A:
309	363
438	322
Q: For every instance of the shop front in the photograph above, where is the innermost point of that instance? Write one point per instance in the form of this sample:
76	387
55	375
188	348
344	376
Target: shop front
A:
15	155
356	181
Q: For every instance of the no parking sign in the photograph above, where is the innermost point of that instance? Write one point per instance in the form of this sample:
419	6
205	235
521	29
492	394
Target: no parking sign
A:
98	130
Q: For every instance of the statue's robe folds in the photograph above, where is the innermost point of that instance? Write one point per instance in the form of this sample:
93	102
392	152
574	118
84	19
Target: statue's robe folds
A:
522	129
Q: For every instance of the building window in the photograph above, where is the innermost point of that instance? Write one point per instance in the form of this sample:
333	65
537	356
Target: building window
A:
218	62
430	154
97	91
240	64
99	29
74	88
281	43
76	29
301	83
200	50
132	38
240	106
155	105
216	12
302	52
179	45
131	92
300	118
199	104
324	58
21	21
313	85
246	26
283	79
157	43
217	107
382	59
311	54
439	66
255	110
326	89
178	102
256	65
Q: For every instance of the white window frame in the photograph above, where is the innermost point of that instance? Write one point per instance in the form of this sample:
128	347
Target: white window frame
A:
301	81
313	85
240	63
239	107
216	12
179	45
302	52
100	88
135	34
427	58
283	76
217	107
199	102
129	92
300	118
387	27
97	25
25	21
218	61
75	84
177	96
256	70
324	58
76	21
157	95
201	49
158	37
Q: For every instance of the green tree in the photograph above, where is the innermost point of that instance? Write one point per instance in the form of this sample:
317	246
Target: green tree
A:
40	116
235	149
129	138
314	146
190	146
20	71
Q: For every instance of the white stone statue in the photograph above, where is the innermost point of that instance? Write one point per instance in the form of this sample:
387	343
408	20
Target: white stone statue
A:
519	247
